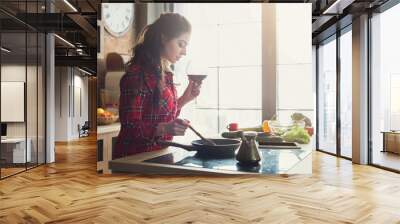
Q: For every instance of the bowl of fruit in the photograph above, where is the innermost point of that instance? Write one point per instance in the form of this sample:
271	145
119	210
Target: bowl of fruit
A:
105	117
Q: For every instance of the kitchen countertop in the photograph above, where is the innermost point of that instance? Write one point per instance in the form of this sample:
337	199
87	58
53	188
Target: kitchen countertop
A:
103	129
105	136
173	160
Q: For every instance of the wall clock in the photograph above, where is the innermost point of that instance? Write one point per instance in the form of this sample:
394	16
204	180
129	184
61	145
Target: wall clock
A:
117	17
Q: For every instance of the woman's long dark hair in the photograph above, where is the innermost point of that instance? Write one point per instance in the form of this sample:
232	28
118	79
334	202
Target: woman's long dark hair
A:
148	49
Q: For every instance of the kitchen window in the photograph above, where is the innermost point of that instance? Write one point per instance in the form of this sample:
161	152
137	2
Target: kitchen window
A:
228	46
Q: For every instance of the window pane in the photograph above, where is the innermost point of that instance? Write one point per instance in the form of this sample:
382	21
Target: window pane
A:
209	91
205	121
394	102
395	120
198	13
385	83
327	97
240	44
346	94
247	12
203	45
240	87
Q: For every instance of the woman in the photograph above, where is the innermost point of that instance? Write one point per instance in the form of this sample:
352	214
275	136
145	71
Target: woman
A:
149	105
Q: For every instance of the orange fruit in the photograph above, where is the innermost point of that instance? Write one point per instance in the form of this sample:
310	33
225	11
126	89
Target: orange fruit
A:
265	126
100	111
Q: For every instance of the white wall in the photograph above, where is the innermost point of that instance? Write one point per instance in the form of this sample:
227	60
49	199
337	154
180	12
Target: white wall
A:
80	83
61	103
69	85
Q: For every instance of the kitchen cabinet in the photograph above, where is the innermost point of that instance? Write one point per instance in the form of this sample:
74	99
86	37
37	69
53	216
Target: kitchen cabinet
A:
106	134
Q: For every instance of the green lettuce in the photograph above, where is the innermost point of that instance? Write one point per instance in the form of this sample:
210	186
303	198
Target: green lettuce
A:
297	134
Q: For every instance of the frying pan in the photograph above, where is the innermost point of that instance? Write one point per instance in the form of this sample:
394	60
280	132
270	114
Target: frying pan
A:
223	147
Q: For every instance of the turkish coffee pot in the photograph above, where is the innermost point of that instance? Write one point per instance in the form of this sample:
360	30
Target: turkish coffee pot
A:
248	153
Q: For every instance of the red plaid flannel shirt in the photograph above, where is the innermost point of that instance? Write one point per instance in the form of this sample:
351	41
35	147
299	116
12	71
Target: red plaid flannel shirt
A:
138	113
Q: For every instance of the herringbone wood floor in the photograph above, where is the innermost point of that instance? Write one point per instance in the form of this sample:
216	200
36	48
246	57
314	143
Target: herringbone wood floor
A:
70	191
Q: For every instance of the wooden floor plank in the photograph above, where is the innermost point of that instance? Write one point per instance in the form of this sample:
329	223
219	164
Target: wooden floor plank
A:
71	191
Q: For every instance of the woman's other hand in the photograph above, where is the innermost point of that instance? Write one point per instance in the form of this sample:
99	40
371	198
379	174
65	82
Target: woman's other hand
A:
191	92
176	127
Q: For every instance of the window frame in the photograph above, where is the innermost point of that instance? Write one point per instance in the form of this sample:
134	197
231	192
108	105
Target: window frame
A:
379	10
334	37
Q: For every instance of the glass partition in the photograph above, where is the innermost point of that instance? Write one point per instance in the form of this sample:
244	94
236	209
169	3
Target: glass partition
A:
14	153
22	89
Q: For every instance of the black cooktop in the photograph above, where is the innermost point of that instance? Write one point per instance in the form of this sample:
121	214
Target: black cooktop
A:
273	161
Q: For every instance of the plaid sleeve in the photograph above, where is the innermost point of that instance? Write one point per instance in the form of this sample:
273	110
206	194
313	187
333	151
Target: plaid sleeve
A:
178	112
133	100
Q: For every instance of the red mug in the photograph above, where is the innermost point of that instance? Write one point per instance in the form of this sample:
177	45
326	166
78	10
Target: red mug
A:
232	127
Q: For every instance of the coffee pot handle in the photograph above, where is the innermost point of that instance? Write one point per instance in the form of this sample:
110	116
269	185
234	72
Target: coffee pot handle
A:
241	135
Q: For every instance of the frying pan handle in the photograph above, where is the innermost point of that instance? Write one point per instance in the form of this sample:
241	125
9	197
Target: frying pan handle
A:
168	143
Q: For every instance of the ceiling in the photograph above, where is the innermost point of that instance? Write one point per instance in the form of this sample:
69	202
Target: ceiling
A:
76	22
22	20
332	15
